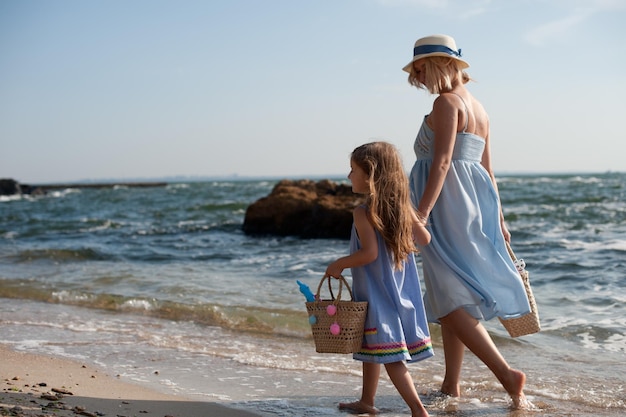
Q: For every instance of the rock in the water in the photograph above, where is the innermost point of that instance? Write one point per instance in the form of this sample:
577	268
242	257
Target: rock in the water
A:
304	208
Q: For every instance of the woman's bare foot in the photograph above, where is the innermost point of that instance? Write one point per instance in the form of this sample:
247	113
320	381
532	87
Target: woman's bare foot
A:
514	385
360	407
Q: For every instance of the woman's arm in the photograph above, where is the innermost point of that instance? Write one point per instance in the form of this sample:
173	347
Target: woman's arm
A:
444	121
486	163
369	246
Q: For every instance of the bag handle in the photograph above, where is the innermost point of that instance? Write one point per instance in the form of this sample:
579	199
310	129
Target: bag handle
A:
511	254
520	264
342	283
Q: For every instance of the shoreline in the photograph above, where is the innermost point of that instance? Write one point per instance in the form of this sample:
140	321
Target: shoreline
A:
35	385
225	388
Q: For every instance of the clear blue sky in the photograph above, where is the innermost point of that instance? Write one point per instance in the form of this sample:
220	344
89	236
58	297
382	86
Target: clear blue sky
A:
287	88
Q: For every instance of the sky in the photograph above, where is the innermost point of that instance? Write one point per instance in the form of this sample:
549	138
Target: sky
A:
143	89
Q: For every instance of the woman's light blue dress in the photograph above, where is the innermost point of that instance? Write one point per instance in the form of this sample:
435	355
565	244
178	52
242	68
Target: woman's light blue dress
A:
466	264
396	328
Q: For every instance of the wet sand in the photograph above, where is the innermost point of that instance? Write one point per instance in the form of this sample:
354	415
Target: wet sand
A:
39	385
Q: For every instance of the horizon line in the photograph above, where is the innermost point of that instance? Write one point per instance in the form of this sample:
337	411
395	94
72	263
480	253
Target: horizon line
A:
238	177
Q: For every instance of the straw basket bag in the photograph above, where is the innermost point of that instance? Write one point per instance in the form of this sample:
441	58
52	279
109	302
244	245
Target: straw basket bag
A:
528	323
337	325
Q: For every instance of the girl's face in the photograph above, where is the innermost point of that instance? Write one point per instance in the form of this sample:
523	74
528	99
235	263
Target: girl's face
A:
359	179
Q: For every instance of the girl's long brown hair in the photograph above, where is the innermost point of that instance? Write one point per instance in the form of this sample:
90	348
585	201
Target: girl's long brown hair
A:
389	203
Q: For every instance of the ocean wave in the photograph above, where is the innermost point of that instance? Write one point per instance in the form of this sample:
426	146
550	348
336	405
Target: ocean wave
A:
57	255
602	335
243	318
98	226
8	198
618	245
63	193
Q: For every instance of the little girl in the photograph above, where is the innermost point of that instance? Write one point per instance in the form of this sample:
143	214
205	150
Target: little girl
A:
382	247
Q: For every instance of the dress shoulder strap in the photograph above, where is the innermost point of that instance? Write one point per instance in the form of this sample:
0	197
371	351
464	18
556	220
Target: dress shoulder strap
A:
466	112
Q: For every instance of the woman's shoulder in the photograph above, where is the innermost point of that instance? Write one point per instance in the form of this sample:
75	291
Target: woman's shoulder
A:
446	106
460	102
447	102
456	99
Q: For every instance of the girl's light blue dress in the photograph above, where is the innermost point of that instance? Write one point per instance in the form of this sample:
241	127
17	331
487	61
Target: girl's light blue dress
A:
396	328
466	264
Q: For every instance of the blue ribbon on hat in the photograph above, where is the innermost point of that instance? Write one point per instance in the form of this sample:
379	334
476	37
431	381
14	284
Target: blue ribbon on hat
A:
428	49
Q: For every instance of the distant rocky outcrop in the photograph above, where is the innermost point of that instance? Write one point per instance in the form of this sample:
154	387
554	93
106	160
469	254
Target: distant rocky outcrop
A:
305	209
9	186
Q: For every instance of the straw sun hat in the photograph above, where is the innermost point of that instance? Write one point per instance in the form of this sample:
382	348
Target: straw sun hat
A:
435	45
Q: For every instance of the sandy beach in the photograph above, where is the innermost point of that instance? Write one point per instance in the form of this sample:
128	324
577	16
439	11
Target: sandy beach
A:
38	385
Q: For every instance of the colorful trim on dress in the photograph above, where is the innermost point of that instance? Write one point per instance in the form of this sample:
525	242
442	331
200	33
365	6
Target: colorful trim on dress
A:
388	349
369	332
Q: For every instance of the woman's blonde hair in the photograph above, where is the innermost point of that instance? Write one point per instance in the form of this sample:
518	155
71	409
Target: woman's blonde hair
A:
389	203
440	74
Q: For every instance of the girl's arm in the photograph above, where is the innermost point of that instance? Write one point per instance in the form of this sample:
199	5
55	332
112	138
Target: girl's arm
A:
444	120
369	246
486	163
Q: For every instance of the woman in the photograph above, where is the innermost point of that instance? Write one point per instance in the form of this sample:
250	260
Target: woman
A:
468	273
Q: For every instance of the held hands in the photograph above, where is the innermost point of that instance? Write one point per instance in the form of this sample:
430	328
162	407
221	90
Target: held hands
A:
421	236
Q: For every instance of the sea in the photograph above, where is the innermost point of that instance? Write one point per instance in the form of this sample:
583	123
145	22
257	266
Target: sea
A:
159	286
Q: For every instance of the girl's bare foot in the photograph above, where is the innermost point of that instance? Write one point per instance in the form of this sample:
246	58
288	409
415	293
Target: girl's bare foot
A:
453	390
420	412
359	407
